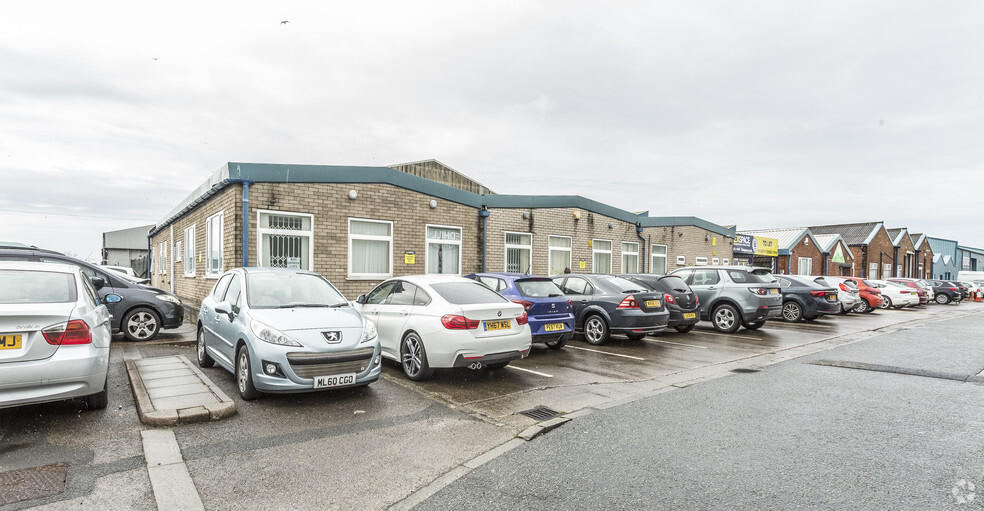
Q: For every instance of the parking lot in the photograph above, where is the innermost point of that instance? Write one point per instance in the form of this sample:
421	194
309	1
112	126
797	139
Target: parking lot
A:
377	445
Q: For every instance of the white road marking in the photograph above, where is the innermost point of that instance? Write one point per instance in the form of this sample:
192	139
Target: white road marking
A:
529	371
678	344
603	352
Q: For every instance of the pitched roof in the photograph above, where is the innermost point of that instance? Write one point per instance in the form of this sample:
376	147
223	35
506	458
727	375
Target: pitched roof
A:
896	235
826	242
788	238
853	234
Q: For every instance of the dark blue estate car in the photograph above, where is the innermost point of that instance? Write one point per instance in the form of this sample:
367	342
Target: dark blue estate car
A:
550	313
606	304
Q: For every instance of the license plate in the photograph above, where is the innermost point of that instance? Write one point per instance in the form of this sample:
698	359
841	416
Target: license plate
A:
497	325
773	291
652	303
335	380
832	298
689	315
553	327
10	342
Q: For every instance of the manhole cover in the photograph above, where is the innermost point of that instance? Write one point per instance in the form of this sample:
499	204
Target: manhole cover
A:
745	370
32	483
540	413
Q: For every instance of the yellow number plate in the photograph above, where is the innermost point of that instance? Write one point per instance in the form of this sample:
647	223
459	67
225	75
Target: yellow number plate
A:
689	315
10	342
497	325
553	327
773	291
652	303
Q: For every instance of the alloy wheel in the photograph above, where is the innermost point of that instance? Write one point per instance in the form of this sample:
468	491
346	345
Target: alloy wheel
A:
412	360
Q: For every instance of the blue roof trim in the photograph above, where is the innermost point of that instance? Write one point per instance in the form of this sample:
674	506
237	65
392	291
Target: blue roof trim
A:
874	232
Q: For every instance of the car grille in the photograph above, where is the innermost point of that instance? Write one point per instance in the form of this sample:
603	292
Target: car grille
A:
309	365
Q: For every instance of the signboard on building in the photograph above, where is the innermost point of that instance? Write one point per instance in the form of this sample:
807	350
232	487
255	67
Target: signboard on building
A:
838	255
409	257
757	245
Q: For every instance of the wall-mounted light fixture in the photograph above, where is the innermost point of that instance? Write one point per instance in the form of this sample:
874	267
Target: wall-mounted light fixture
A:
611	225
526	215
433	203
707	237
577	215
353	194
680	233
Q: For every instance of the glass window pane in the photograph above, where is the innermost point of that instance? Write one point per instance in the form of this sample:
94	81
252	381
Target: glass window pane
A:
369	228
602	263
519	239
559	242
560	260
602	245
517	260
444	233
630	263
370	256
442	258
659	249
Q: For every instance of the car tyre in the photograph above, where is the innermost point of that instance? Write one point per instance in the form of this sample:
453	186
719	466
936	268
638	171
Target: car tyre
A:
684	328
559	343
635	336
862	306
244	375
754	326
725	319
140	324
99	400
595	330
413	358
204	360
942	299
792	312
498	365
886	303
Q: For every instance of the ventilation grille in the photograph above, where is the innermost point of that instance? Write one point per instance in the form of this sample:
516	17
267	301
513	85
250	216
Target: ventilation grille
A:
540	413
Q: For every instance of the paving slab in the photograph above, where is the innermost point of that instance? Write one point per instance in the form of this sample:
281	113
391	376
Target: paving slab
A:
170	391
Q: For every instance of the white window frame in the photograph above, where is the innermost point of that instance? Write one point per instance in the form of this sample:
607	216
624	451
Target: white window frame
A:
809	265
177	251
725	261
872	271
715	261
569	249
260	231
698	261
505	255
681	260
189	248
442	242
595	251
388	239
163	253
653	255
212	237
630	252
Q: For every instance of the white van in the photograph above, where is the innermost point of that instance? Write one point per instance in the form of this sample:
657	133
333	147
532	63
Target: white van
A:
970	276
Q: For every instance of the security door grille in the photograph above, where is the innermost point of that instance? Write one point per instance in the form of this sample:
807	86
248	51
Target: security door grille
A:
285	251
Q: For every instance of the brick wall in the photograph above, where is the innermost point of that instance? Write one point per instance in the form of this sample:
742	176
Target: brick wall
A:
690	242
880	251
804	248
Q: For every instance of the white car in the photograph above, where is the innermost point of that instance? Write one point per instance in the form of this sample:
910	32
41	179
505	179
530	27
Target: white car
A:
847	292
438	321
121	269
54	335
895	294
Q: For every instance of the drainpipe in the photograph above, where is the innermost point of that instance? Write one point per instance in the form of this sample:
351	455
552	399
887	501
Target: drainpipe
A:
171	263
825	263
484	213
148	257
246	223
789	264
895	262
643	255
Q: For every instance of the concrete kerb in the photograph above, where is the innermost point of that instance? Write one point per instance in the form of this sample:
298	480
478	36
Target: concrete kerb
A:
171	417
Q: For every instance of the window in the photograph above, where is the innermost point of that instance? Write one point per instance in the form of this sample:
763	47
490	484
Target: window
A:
576	286
659	259
177	252
560	254
213	245
601	256
443	249
234	293
873	270
700	260
285	240
370	248
630	257
715	261
220	287
805	266
705	277
886	271
490	282
162	250
681	260
519	252
189	252
467	293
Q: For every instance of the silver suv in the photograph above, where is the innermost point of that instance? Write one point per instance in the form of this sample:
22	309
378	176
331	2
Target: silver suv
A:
734	296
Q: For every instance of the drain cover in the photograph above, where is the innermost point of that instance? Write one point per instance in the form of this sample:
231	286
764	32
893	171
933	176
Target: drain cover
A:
540	413
745	370
32	483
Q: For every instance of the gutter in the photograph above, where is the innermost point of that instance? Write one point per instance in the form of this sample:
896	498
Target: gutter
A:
484	214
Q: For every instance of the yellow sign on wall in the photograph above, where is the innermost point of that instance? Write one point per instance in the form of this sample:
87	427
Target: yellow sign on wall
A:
409	257
580	264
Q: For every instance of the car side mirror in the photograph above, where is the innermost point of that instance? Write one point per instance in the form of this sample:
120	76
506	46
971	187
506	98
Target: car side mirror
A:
98	283
225	308
361	299
112	298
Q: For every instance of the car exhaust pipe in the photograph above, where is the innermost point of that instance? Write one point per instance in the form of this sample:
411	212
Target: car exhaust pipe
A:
475	366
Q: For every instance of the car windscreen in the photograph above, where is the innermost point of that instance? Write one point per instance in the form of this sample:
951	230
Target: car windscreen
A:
758	276
31	286
620	285
868	283
538	288
284	290
674	283
822	281
467	293
805	282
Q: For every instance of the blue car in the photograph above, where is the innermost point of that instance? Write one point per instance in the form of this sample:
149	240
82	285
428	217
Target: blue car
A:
550	312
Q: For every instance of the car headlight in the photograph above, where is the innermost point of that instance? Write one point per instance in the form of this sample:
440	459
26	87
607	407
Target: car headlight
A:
271	335
169	298
368	331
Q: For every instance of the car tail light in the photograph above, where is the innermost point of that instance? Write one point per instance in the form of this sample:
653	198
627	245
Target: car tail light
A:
526	305
953	289
522	320
570	304
669	298
818	293
72	332
844	287
629	302
455	322
759	290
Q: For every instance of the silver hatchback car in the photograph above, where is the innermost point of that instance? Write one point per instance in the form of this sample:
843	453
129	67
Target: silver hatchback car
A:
54	335
734	296
280	330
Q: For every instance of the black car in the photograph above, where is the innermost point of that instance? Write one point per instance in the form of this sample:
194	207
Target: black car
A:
804	298
681	301
142	312
606	304
946	291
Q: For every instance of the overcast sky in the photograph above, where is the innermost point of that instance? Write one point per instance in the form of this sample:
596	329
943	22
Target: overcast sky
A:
756	114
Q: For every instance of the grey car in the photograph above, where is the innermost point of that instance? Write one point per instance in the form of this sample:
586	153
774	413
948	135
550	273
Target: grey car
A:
734	296
280	330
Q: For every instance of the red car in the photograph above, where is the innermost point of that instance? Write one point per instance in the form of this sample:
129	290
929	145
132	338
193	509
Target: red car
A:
870	296
914	284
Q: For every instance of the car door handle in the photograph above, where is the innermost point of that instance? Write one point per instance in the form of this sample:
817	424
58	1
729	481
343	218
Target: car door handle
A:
712	288
404	312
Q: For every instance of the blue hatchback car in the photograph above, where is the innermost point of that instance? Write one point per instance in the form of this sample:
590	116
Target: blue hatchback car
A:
550	312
